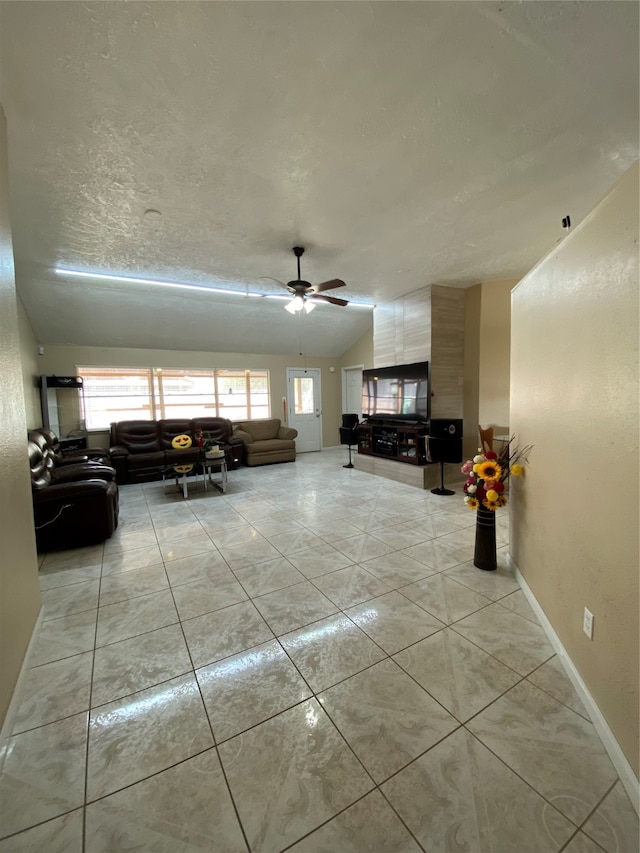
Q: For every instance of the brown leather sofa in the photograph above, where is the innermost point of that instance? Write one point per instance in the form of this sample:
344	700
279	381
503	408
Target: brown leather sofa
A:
68	512
141	449
266	441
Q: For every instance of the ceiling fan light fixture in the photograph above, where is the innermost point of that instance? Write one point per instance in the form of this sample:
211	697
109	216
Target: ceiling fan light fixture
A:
296	304
308	306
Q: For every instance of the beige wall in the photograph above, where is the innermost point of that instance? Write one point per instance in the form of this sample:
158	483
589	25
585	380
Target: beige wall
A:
574	396
63	360
472	302
487	332
19	594
30	368
495	342
360	353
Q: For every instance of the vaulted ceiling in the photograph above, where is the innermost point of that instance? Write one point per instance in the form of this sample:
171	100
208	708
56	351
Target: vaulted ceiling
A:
401	143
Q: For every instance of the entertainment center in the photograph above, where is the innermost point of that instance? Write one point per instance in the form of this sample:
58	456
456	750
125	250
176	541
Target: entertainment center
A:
404	443
395	406
397	427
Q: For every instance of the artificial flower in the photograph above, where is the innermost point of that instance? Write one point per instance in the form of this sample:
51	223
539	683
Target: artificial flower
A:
489	470
486	475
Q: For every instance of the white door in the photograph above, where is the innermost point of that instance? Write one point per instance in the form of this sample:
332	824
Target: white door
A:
304	405
352	390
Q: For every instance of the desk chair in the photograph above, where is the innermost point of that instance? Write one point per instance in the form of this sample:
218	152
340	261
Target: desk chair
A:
486	438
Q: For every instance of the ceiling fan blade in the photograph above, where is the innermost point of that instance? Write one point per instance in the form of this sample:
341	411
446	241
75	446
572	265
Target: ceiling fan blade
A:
328	285
271	278
332	299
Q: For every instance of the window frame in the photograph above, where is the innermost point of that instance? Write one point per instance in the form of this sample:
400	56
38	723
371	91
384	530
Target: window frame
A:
159	398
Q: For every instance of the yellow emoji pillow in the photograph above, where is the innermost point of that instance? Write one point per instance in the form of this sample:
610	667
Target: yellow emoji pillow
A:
181	442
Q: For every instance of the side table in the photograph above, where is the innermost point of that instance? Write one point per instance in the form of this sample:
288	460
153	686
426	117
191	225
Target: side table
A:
211	465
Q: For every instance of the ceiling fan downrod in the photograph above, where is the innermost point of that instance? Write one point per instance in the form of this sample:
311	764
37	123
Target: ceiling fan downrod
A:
298	251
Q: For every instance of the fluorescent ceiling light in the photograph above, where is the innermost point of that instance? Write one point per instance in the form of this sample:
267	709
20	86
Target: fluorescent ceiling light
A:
202	288
154	282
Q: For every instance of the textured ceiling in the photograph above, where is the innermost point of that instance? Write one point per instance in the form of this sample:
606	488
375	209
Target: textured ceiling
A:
401	143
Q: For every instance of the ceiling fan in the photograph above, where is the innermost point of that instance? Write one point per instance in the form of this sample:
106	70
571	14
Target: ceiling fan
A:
303	291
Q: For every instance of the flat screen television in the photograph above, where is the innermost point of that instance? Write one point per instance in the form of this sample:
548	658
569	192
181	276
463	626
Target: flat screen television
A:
399	393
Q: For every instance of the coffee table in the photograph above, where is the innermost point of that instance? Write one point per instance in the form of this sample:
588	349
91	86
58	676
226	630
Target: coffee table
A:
169	472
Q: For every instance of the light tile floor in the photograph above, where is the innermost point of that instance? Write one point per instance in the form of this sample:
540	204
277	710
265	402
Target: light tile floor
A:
309	662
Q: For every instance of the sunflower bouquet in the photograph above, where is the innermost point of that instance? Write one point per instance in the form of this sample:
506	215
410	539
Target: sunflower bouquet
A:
488	473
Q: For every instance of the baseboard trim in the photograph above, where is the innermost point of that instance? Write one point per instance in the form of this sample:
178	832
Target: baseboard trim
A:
611	745
12	710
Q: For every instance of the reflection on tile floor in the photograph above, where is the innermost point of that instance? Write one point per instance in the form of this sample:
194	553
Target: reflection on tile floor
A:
309	662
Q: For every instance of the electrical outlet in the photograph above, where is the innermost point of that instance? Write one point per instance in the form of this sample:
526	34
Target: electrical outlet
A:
587	623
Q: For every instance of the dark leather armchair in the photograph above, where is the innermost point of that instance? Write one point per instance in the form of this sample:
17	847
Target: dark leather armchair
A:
63	457
64	469
71	513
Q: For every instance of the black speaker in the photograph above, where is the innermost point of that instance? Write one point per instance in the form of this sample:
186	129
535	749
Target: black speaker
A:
445	449
445	440
445	428
349	434
349	421
444	444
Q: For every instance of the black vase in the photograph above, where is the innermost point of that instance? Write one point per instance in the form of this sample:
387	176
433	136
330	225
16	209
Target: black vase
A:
484	556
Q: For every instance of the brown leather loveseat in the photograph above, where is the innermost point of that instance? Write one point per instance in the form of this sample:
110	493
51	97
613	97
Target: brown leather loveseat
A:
141	449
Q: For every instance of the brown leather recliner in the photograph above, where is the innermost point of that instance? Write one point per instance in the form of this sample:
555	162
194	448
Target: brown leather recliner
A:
72	513
64	457
135	450
73	468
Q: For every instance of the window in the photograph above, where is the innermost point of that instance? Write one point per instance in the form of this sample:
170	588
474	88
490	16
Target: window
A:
303	395
116	394
150	393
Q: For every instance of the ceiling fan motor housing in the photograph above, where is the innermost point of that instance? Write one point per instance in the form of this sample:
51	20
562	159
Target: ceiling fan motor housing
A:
304	289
